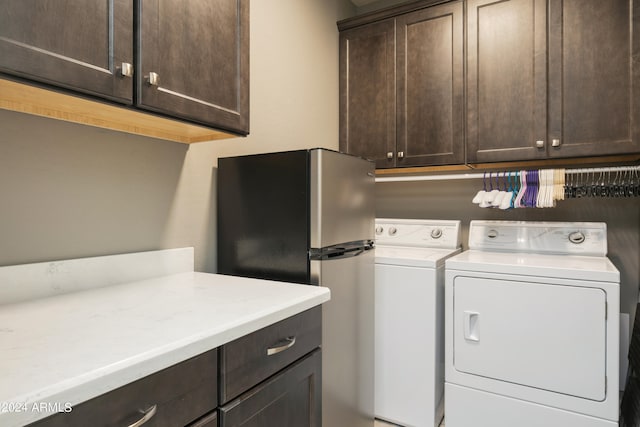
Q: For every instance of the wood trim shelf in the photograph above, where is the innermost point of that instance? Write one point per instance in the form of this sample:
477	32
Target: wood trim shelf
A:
547	163
34	100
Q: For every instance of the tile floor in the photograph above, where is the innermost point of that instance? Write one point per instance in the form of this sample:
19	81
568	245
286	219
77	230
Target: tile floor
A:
380	423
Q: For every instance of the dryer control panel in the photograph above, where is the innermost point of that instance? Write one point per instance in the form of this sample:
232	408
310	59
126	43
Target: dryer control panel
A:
575	238
419	233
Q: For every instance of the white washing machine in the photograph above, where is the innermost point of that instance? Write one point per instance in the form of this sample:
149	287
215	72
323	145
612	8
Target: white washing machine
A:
532	327
409	318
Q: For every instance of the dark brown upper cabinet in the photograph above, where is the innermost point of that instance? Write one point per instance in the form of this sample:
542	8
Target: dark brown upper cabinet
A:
586	104
367	92
430	86
80	46
506	79
594	77
193	60
181	59
402	88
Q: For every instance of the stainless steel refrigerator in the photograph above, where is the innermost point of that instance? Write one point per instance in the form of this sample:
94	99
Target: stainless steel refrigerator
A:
308	216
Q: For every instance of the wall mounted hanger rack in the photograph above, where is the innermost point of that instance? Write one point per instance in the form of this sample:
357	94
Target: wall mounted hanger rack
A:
544	187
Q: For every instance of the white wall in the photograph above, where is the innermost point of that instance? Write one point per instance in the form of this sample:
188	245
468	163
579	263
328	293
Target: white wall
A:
69	191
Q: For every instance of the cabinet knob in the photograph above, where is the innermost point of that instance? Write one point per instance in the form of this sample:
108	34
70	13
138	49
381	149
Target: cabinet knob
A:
400	154
153	79
540	143
126	70
390	155
555	143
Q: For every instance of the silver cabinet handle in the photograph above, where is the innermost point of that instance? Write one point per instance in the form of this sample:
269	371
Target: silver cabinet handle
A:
400	154
126	70
290	341
555	143
540	143
153	79
148	414
390	155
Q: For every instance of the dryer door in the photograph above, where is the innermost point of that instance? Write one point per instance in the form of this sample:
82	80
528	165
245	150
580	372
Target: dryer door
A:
550	337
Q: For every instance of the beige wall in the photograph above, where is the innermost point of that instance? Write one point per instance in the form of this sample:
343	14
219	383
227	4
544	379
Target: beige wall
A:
70	191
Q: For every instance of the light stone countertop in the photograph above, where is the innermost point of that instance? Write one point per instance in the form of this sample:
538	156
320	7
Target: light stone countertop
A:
69	348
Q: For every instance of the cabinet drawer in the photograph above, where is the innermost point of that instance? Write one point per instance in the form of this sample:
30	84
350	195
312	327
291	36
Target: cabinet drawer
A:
182	393
253	358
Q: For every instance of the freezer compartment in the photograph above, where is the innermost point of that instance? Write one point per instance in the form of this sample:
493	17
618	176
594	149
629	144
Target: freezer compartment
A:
342	198
263	216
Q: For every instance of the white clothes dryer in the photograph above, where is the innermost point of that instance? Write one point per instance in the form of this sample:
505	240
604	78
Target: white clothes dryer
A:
532	327
409	318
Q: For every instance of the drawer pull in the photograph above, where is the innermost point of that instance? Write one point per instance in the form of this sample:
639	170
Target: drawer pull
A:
290	341
147	415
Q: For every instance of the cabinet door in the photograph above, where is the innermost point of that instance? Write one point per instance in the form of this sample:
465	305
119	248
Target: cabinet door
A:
290	399
76	45
593	79
507	80
430	86
194	61
367	93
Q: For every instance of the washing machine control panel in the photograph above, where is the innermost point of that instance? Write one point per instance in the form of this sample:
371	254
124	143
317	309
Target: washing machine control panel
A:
578	238
418	233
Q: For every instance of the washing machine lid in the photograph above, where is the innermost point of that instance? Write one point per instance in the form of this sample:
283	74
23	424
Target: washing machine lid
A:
588	268
413	257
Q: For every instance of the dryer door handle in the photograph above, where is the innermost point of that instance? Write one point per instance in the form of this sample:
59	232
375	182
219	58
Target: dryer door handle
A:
472	326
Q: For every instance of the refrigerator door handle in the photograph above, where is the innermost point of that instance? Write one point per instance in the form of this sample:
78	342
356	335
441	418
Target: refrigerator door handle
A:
340	251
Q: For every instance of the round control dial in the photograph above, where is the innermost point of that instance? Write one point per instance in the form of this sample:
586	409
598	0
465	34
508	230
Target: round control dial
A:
392	231
576	237
379	230
492	234
436	233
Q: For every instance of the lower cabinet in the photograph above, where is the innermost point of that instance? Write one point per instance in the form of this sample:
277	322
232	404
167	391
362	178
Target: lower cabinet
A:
290	399
272	377
269	378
